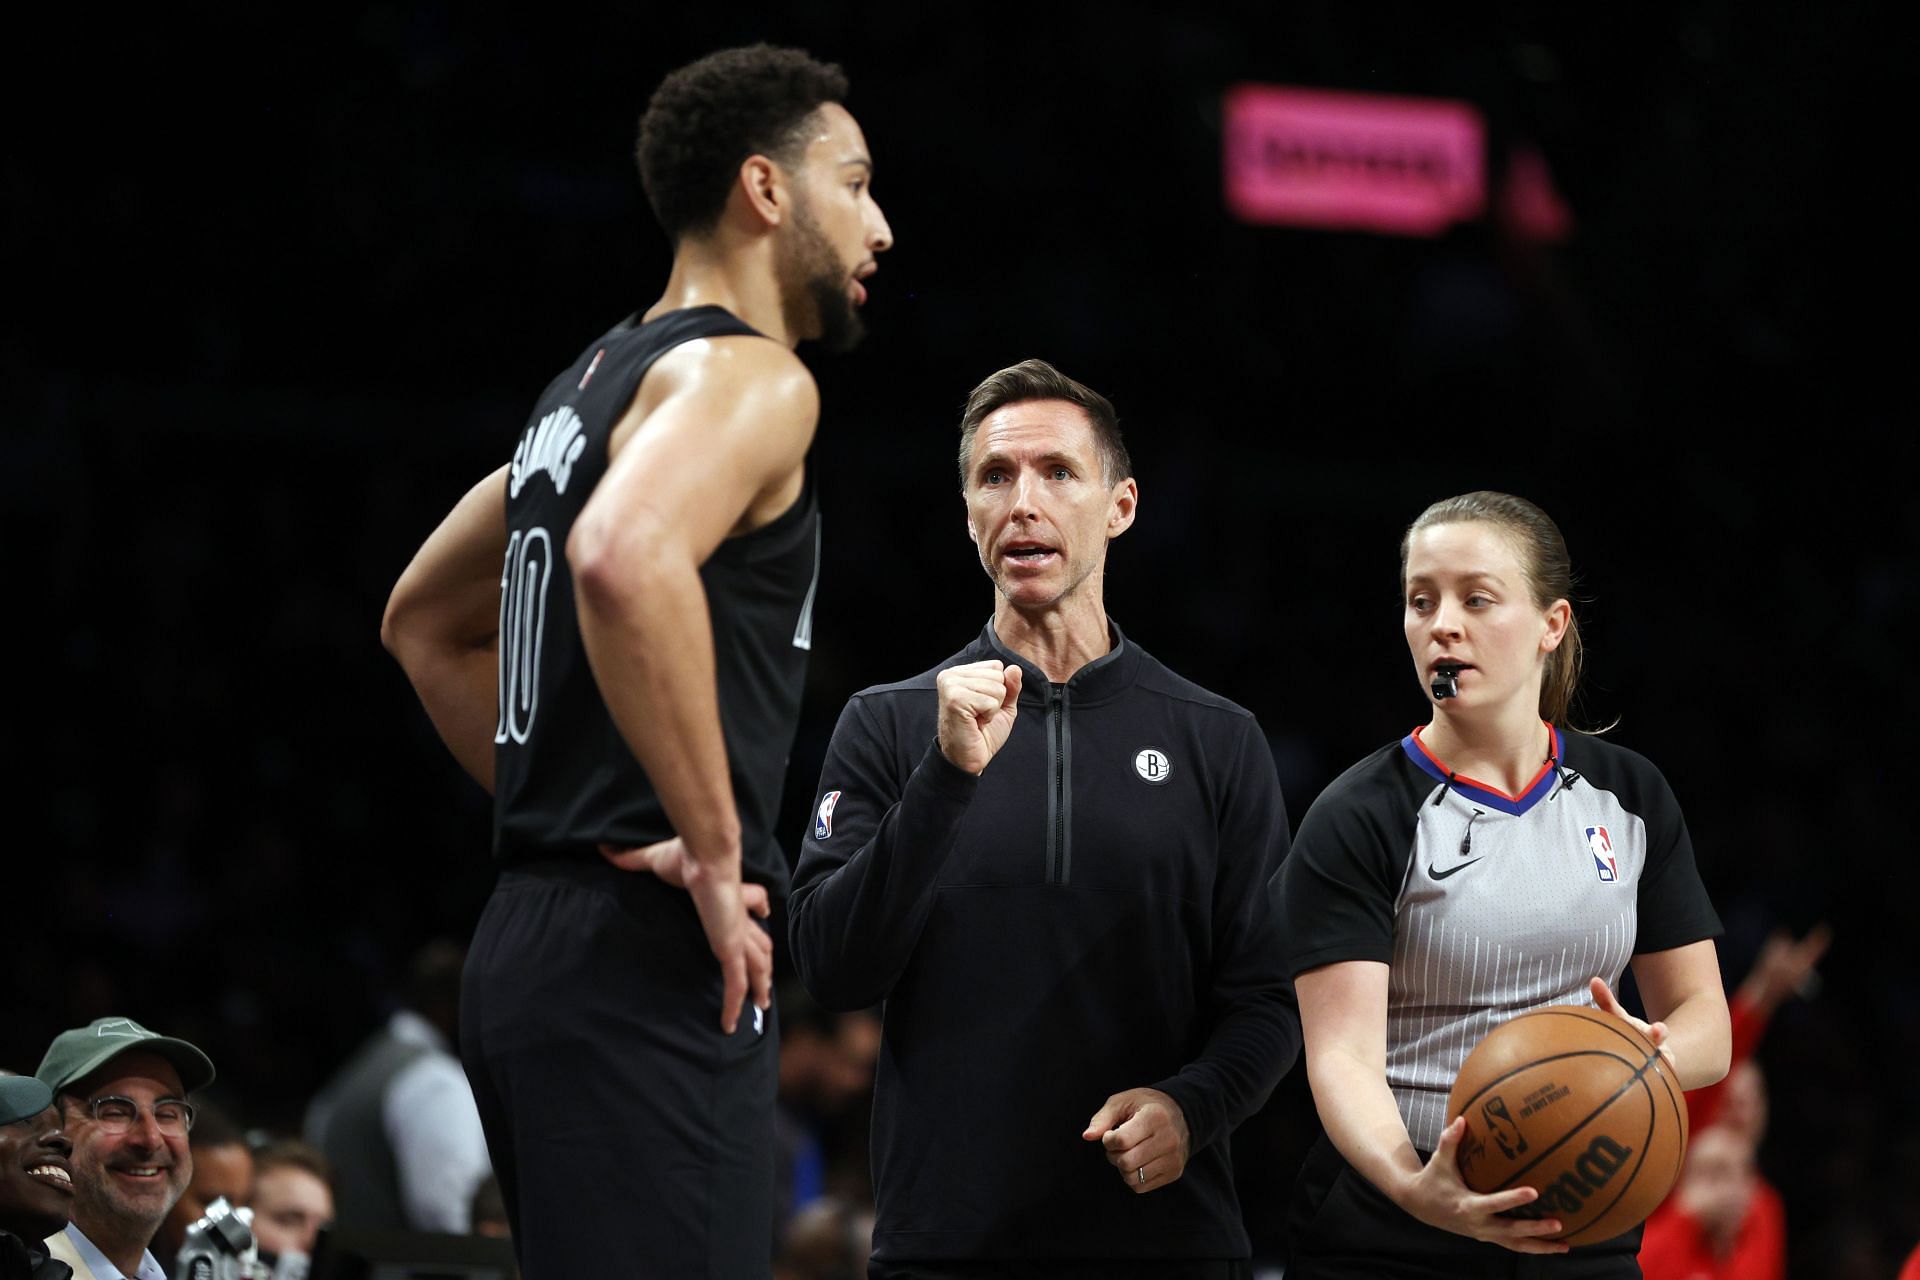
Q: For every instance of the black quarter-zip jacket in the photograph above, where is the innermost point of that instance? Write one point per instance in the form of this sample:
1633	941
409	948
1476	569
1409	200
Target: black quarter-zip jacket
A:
1086	916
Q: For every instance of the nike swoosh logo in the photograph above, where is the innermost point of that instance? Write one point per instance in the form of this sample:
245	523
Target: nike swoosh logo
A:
1450	871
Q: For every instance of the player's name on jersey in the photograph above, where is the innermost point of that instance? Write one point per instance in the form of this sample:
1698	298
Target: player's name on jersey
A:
553	447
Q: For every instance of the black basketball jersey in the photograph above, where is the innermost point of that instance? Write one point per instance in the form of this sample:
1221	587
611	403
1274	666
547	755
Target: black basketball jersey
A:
564	778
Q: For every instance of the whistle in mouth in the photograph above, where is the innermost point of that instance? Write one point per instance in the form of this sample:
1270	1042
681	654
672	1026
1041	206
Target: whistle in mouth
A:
1446	680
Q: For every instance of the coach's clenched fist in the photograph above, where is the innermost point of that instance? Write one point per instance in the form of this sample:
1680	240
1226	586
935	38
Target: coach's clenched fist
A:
978	703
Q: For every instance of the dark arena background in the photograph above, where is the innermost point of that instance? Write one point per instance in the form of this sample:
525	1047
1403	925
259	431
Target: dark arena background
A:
282	286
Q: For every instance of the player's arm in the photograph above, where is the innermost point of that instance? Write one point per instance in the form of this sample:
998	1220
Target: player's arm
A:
1686	1007
727	423
442	623
1253	1027
1343	1013
731	428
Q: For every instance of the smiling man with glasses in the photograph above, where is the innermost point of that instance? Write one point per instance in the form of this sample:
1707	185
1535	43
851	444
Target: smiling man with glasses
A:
122	1092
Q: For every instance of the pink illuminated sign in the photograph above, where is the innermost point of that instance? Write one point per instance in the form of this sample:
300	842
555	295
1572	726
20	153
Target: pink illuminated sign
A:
1371	162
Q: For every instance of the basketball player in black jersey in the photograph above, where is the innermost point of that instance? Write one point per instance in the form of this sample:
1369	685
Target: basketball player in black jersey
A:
628	687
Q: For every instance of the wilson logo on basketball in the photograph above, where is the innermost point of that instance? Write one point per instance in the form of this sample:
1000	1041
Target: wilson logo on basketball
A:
1593	1170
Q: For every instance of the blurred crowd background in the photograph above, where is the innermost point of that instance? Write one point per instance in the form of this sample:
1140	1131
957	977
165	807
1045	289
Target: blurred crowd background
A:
284	284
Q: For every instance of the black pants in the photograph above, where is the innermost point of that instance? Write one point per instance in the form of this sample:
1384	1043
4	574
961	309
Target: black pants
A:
1067	1269
1341	1227
630	1136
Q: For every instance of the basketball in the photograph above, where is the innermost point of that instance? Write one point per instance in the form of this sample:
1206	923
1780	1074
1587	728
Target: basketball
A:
1580	1105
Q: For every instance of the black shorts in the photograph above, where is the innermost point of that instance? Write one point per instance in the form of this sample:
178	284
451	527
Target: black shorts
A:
1342	1227
623	1125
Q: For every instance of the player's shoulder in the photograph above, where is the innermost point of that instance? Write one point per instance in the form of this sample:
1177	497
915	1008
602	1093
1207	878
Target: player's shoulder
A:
731	368
1156	677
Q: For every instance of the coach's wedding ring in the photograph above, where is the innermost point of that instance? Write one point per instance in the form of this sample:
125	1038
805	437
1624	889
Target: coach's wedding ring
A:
1141	1173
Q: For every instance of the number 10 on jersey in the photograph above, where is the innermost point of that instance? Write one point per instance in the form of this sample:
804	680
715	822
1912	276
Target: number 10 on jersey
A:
523	622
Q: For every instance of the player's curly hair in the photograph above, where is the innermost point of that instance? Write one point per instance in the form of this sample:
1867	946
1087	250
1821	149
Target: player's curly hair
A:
706	118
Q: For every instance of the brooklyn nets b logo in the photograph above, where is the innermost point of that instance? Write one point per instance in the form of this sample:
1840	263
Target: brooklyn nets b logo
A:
1152	765
523	623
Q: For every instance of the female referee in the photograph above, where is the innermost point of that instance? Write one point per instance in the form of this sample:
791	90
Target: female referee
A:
1491	861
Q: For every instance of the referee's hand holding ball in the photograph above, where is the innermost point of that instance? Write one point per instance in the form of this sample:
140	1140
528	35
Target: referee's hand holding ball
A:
978	704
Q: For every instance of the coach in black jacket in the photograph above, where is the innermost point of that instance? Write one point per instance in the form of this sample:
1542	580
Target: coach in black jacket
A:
1047	858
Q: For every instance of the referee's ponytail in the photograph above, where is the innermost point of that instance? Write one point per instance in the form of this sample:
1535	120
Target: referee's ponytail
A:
1549	570
1562	680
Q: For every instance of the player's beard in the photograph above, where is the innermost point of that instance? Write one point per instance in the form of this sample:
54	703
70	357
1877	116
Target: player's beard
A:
815	283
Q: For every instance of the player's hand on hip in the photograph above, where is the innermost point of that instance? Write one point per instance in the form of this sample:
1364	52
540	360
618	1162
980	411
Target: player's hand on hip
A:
726	907
1605	1000
743	948
1145	1134
978	704
1439	1197
667	860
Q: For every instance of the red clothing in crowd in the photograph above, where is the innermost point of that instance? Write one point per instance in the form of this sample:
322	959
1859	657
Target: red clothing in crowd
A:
1749	1024
1676	1248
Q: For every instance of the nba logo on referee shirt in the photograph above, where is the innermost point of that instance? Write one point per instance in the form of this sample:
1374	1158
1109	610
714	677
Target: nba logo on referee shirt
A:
1601	847
823	821
1152	765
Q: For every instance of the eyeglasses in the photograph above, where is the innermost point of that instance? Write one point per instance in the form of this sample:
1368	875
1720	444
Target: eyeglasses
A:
115	1114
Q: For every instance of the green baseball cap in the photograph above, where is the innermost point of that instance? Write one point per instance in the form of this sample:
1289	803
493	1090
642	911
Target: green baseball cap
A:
23	1098
84	1050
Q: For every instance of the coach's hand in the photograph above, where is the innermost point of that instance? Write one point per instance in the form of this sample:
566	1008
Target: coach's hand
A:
1439	1197
1145	1134
727	908
978	703
1656	1032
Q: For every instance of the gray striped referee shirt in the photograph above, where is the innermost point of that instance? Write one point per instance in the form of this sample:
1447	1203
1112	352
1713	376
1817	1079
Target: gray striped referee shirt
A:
1484	904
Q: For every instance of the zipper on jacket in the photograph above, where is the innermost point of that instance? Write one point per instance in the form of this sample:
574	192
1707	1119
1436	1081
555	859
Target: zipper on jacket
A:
1059	793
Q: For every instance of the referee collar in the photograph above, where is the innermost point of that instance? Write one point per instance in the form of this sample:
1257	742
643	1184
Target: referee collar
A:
1476	792
1107	675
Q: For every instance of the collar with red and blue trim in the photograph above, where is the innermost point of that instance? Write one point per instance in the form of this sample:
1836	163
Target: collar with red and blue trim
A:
1479	792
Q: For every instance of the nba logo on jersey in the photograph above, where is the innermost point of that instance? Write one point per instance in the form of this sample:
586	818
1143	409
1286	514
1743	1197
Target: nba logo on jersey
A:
823	821
1601	846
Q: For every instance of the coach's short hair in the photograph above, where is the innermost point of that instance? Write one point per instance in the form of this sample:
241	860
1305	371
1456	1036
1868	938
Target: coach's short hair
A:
706	118
1038	380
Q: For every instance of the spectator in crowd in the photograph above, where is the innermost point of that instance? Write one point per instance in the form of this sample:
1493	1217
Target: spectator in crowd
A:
398	1122
123	1093
36	1184
222	1170
1724	1221
490	1211
826	1079
1784	968
828	1240
292	1198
